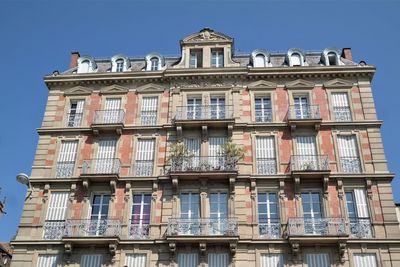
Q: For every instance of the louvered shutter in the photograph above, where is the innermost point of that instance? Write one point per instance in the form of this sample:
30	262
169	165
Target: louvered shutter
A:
348	153
340	100
318	260
149	110
105	156
66	159
57	206
47	261
271	260
112	110
135	260
214	153
145	157
365	260
90	260
188	260
306	157
193	147
265	155
361	203
218	260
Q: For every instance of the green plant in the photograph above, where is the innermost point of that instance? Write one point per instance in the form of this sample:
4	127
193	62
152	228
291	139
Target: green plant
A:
177	150
232	150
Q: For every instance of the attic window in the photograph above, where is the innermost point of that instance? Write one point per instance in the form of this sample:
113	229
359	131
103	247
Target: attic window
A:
84	67
295	59
217	58
119	65
332	59
154	63
259	61
196	59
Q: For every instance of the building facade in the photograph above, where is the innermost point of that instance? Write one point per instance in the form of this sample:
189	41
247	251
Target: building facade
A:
210	159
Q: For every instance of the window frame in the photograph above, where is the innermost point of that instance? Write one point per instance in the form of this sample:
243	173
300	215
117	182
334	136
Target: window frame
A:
219	54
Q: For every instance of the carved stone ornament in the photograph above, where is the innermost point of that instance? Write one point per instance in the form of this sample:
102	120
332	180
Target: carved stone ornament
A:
46	192
204	133
342	250
369	188
340	188
85	184
72	193
172	248
203	248
232	181
253	191
233	248
282	188
67	252
113	187
127	191
113	249
295	249
326	184
175	184
297	187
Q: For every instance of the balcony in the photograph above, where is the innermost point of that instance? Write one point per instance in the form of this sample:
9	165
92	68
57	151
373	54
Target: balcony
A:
143	168
342	113
65	169
218	230
263	115
74	119
203	165
350	164
139	231
92	230
266	166
309	165
215	115
304	115
270	230
53	230
360	228
108	120
312	229
101	169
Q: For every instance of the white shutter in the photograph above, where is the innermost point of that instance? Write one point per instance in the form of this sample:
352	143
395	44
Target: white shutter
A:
347	145
111	113
365	260
218	260
271	260
79	105
47	261
361	203
306	146
318	260
57	206
265	147
106	149
149	103
188	260
93	260
215	146
340	100
135	260
193	146
68	151
113	103
145	149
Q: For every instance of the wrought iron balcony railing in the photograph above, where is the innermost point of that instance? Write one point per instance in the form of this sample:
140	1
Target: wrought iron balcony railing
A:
101	166
360	228
304	112
139	231
266	166
211	112
270	230
53	229
342	113
148	117
203	227
203	163
113	116
316	227
309	163
92	228
65	169
350	164
263	115
143	168
74	119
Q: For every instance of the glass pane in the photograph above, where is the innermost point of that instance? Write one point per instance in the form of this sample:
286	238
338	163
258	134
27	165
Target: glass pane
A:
262	208
305	197
262	197
315	198
96	199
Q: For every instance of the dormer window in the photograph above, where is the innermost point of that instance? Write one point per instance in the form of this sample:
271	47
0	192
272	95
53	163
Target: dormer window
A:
84	68
259	61
196	59
295	57
154	63
260	58
120	63
217	58
330	57
86	64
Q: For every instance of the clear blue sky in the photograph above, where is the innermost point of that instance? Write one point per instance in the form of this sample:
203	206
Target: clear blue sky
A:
36	39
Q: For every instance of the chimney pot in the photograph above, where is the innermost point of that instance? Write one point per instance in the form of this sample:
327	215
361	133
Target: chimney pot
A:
74	59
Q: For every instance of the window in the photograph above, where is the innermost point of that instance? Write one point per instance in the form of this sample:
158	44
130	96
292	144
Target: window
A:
217	58
365	259
105	162
318	260
312	212
218	260
358	214
119	65
144	162
196	59
263	111
216	160
149	110
301	107
306	154
348	152
271	260
54	225
190	213
84	67
265	155
112	111
194	108
154	63
66	159
268	215
47	261
75	114
140	216
99	215
341	107
188	260
135	260
92	260
86	64
259	60
332	58
193	148
295	59
217	107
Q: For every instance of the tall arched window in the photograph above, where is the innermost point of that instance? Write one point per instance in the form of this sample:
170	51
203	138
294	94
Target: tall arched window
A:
332	58
84	67
119	65
259	60
295	59
154	63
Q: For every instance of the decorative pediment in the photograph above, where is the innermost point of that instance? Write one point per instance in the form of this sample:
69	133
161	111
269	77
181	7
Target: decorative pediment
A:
114	89
150	88
300	84
78	90
338	83
207	35
262	84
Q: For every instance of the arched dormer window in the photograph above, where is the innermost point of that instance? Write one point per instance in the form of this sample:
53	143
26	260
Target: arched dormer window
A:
295	57
86	64
120	63
260	58
154	62
330	57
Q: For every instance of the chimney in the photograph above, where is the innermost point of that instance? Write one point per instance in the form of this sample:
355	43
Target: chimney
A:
74	60
346	53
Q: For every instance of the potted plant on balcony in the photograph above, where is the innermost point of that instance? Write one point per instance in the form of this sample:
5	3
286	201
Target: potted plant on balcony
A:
177	154
232	152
